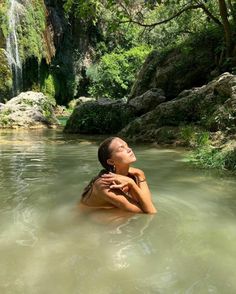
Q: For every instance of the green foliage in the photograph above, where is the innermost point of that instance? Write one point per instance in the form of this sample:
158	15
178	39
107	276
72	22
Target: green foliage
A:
5	76
30	31
113	76
210	157
4	119
3	20
204	153
194	137
230	160
49	88
89	10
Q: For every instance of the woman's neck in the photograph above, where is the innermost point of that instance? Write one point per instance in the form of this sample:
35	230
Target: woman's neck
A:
122	170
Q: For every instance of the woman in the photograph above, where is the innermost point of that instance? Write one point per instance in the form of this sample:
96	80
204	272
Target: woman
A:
118	185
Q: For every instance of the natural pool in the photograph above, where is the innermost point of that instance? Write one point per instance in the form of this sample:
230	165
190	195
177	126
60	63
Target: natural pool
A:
48	246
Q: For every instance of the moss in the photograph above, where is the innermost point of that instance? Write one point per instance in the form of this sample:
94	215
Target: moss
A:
48	88
4	119
93	118
5	76
4	27
30	30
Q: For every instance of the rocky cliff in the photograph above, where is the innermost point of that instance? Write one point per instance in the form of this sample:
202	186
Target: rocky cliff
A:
41	49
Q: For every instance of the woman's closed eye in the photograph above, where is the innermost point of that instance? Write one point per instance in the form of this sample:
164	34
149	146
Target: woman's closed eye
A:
123	147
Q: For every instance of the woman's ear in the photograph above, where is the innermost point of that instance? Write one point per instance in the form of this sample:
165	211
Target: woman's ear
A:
110	161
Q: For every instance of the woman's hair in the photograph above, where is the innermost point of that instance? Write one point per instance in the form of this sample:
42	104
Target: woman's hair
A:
104	153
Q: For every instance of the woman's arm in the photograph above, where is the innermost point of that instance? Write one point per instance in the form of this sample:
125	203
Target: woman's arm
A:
140	192
144	189
116	197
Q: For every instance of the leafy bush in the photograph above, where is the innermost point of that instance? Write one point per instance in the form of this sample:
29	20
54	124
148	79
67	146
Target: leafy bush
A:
206	155
114	74
194	137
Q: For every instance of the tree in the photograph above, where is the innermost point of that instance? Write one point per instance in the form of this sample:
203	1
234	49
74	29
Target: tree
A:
222	14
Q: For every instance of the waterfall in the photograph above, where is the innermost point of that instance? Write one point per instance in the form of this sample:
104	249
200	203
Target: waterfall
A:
12	48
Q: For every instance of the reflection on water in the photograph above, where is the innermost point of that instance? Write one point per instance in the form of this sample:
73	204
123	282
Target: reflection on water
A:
49	245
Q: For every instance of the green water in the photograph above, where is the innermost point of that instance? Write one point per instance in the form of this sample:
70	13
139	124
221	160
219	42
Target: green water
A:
48	246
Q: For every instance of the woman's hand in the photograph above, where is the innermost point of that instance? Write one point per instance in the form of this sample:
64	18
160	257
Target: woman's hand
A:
116	181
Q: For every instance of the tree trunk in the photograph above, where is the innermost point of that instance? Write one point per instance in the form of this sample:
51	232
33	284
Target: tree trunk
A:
227	28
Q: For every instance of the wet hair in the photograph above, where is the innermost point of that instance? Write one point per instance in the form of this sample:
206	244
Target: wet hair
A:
104	153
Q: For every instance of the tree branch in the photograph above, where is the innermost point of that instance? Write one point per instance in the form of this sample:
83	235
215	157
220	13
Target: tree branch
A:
208	13
190	7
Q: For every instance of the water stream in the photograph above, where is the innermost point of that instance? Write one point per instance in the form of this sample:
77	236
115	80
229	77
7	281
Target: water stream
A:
48	246
12	47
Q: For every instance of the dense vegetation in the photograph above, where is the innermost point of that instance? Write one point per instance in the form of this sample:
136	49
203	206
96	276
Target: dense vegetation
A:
162	24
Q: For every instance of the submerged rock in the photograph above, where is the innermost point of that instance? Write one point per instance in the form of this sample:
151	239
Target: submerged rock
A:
28	110
99	117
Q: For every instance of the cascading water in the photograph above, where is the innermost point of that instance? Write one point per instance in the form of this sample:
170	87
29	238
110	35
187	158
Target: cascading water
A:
12	48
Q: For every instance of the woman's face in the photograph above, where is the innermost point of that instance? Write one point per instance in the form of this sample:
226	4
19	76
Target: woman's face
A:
121	153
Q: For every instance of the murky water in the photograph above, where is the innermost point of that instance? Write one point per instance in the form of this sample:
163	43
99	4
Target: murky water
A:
48	246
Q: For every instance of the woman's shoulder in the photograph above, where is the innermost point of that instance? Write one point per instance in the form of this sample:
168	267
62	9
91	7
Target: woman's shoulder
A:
136	171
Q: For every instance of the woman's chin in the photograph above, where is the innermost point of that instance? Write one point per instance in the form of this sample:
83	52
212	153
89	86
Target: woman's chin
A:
133	159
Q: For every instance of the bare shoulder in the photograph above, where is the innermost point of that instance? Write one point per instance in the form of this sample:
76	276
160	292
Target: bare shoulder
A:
136	171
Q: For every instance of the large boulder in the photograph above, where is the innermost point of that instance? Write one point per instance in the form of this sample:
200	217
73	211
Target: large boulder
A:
75	102
99	117
148	101
176	69
212	106
28	110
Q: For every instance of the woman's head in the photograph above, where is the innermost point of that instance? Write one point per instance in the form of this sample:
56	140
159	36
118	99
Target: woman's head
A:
114	152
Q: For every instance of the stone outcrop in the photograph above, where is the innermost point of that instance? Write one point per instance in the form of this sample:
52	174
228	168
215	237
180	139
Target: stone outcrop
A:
212	107
75	102
176	70
148	101
28	110
99	117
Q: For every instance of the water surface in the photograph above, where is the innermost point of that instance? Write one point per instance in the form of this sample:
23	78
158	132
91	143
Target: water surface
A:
48	246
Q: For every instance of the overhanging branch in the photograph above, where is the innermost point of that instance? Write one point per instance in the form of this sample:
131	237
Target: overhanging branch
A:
190	7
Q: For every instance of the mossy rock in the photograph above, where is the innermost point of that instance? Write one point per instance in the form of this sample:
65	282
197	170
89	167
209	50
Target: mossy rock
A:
174	69
99	118
205	106
5	76
28	110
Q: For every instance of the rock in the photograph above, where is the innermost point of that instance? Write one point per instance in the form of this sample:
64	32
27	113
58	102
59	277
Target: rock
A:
148	101
1	106
28	110
175	70
99	117
75	102
61	110
212	106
